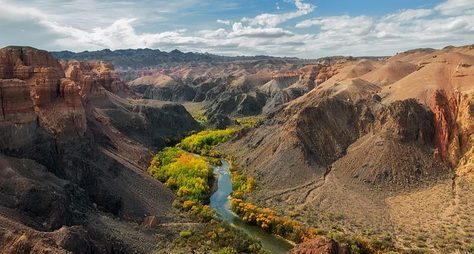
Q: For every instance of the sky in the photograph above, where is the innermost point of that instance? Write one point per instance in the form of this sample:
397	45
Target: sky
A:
293	28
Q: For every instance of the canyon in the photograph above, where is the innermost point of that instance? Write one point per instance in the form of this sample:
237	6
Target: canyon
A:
380	147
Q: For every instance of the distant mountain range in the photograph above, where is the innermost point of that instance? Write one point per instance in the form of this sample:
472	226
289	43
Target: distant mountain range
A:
145	58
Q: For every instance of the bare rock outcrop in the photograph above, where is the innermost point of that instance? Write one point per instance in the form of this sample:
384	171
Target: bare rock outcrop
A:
320	245
239	88
454	124
94	76
34	77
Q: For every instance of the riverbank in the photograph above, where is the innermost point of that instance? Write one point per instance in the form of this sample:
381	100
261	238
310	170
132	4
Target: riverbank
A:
220	202
186	169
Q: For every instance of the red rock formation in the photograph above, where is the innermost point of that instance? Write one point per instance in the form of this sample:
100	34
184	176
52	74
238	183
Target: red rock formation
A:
150	221
92	77
32	84
69	90
326	73
15	101
445	110
454	125
46	83
320	245
20	62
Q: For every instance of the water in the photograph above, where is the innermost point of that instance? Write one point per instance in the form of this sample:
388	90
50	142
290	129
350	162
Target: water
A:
221	204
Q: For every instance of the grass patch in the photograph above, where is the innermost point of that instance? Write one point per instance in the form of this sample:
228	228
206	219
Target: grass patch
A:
185	233
241	183
203	142
201	119
249	122
184	173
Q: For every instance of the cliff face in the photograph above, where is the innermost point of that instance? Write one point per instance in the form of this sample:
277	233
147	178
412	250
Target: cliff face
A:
447	140
93	76
465	119
454	122
33	88
71	150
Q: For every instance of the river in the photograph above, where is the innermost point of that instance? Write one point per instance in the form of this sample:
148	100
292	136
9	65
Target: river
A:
221	204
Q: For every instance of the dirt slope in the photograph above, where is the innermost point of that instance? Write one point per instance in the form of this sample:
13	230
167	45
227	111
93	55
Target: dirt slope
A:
382	147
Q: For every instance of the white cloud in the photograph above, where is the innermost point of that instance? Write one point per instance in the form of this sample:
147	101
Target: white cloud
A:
225	22
13	12
240	30
451	22
340	24
122	34
456	7
272	20
410	14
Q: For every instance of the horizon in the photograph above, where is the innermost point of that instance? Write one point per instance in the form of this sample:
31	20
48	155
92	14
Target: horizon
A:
236	56
306	29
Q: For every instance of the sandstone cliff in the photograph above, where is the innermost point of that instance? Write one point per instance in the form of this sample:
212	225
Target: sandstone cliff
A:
73	154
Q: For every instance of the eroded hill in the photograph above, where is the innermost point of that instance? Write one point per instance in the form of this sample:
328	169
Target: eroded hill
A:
381	148
241	88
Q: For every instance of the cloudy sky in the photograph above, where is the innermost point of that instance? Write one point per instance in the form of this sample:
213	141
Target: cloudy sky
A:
301	28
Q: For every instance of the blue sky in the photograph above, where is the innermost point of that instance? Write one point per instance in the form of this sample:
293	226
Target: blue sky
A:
302	28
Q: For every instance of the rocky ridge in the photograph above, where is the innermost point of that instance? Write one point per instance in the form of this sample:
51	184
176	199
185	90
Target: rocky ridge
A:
236	88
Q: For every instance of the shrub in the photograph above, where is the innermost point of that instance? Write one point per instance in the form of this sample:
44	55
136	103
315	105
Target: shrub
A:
184	173
249	122
203	142
269	220
201	119
188	204
227	250
241	184
214	237
214	161
185	233
362	244
204	212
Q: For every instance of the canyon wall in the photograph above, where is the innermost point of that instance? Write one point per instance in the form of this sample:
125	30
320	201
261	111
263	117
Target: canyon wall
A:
73	152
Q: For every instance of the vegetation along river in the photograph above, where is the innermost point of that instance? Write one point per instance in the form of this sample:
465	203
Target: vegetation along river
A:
221	204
